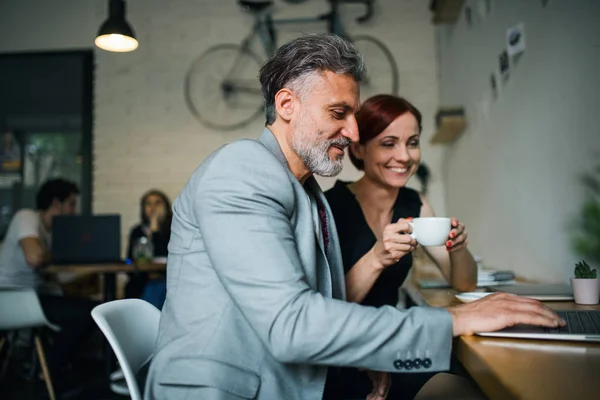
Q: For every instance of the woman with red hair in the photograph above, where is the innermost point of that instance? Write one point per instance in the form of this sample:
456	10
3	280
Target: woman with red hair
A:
372	219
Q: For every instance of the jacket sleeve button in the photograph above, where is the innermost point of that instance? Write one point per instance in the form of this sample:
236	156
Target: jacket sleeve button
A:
398	364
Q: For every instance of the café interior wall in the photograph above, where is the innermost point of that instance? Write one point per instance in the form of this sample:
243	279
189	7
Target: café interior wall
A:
144	136
42	25
513	175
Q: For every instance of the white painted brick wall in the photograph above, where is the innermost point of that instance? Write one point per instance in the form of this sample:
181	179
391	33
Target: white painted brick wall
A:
144	136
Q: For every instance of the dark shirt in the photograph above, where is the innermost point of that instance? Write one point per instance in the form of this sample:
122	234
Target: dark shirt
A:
160	240
356	238
138	280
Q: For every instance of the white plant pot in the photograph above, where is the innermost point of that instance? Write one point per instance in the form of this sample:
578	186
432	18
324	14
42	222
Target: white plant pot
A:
586	291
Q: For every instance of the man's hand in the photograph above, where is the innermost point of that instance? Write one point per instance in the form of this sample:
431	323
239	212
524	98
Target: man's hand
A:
499	311
382	381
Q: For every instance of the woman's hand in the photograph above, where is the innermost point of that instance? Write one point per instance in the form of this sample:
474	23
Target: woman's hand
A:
457	236
157	218
382	381
394	244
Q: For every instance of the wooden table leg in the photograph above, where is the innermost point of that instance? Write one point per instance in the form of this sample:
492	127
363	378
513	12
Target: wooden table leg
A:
45	370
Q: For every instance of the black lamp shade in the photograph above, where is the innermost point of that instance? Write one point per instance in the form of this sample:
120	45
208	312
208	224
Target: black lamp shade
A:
116	34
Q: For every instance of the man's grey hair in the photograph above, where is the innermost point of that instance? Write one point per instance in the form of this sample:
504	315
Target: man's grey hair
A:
297	60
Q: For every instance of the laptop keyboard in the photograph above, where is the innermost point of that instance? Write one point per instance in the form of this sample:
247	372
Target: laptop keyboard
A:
578	322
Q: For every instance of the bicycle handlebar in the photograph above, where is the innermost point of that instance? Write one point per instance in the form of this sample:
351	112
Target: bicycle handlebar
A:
367	3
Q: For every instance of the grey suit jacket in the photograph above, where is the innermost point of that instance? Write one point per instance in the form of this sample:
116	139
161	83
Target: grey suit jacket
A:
255	308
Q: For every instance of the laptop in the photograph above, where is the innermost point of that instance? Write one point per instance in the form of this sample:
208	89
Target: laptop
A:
542	292
582	326
86	239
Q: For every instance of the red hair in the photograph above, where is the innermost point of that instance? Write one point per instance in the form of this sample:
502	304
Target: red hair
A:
376	114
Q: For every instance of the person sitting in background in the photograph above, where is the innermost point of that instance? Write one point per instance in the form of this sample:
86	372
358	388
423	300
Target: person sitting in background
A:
148	240
372	219
23	256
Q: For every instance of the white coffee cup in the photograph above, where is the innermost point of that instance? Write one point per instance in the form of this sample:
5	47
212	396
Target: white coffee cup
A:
431	231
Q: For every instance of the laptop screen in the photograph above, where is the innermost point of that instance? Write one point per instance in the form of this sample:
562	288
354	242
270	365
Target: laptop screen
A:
86	239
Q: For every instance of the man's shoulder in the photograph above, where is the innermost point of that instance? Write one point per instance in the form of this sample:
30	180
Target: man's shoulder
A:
24	220
244	163
25	215
244	158
244	150
27	212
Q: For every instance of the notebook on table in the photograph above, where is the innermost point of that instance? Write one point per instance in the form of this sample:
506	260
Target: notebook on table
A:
86	239
582	326
542	292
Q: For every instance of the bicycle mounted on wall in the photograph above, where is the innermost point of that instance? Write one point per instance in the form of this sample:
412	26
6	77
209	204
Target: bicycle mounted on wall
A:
221	86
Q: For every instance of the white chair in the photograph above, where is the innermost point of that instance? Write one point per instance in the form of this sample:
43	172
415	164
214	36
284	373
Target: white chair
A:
131	328
20	308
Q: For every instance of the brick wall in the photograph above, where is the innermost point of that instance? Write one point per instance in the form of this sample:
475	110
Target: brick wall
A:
144	136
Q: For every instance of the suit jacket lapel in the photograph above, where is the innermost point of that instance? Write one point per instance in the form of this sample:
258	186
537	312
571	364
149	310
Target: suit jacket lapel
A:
334	255
333	258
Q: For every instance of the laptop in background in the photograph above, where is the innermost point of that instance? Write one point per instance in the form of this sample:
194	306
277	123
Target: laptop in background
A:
86	239
542	292
582	326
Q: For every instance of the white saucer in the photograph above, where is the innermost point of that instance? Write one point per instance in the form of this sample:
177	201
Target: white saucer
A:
468	297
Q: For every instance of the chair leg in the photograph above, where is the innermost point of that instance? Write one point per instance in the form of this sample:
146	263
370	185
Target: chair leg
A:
45	371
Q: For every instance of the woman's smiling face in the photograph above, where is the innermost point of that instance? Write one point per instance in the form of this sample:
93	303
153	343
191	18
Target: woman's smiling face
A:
392	157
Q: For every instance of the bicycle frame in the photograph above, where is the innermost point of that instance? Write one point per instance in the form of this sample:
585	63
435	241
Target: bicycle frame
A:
237	91
264	24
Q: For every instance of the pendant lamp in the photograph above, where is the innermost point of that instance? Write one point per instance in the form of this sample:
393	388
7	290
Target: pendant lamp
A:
116	34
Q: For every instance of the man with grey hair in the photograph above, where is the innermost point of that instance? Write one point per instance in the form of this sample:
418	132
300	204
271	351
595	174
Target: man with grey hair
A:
255	286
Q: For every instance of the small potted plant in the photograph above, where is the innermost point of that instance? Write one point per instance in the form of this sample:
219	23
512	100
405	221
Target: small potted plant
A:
586	286
586	236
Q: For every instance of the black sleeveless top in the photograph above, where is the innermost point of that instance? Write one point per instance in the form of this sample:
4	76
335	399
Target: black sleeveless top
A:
357	238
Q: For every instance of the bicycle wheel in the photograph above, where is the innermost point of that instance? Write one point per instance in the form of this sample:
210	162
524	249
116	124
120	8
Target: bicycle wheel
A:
382	71
222	89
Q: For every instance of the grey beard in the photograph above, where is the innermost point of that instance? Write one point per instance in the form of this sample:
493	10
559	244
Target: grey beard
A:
315	155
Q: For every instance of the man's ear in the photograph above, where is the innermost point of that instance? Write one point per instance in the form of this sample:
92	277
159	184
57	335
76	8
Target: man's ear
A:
285	103
357	150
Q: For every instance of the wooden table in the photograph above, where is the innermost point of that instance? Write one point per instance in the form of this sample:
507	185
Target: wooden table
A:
521	368
108	270
105	268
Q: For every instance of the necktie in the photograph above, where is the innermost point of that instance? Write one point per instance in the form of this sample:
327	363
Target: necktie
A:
323	220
